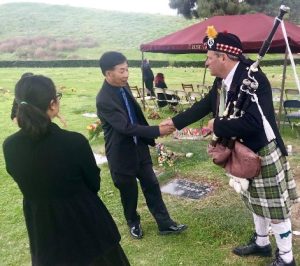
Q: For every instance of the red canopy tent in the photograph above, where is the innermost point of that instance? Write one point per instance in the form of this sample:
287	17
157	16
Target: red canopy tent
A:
252	29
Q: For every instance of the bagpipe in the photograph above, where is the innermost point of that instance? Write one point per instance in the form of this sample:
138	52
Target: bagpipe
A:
241	163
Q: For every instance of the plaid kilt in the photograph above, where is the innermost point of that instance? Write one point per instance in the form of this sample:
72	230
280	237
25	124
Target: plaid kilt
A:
272	193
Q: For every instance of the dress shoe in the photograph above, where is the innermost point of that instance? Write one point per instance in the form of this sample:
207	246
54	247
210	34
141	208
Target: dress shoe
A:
173	229
280	262
253	249
136	231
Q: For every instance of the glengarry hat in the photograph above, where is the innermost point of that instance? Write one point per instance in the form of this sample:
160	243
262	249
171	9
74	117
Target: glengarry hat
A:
222	42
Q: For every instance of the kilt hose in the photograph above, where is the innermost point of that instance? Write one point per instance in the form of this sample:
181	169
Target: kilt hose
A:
272	193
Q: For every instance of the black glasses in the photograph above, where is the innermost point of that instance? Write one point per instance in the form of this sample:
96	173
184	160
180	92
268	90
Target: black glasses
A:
58	95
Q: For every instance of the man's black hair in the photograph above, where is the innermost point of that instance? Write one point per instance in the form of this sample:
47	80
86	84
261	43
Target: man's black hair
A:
110	59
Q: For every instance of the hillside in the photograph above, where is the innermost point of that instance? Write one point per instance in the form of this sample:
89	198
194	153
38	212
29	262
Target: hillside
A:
41	31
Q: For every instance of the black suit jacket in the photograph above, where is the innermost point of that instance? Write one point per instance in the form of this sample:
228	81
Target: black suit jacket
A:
120	148
249	127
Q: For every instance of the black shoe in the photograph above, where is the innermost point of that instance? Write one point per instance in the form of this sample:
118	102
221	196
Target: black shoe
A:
173	229
280	262
136	231
253	249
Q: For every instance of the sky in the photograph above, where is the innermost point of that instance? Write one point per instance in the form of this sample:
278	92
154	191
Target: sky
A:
139	6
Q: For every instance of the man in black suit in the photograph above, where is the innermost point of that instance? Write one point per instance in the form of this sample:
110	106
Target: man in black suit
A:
271	194
127	136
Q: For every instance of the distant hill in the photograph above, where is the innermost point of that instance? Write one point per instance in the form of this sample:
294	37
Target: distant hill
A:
41	31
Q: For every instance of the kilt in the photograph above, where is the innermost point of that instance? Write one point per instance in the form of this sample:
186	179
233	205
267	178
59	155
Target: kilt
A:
272	193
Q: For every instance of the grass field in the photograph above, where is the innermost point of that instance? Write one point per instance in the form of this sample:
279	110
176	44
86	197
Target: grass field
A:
216	223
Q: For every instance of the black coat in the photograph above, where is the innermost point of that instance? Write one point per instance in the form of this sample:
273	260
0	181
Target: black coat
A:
147	72
120	148
67	222
250	126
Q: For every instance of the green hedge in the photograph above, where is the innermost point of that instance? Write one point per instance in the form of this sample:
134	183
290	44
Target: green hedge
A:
132	63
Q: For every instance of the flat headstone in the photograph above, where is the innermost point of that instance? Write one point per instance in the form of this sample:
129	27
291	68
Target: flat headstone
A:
92	115
185	188
296	233
100	159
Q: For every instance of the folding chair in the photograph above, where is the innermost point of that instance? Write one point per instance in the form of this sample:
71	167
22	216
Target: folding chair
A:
161	97
135	92
195	96
290	93
276	92
183	99
203	89
149	99
292	111
187	87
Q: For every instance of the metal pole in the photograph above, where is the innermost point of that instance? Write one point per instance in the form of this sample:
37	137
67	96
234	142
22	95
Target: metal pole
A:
282	87
143	86
204	76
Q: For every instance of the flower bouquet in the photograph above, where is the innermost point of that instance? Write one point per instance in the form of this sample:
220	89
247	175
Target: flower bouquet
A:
192	133
94	130
165	157
154	115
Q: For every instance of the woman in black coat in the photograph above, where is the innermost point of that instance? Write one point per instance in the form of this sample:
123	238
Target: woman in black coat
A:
55	169
163	99
148	77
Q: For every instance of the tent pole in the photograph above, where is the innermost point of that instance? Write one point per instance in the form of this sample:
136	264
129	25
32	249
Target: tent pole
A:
205	69
143	84
282	87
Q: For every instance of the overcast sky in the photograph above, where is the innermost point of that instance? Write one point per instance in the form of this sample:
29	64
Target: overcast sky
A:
141	6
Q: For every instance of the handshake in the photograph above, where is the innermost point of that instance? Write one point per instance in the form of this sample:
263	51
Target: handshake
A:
166	127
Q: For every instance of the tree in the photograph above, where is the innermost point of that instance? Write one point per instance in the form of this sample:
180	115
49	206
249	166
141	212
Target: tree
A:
187	8
293	15
221	7
208	8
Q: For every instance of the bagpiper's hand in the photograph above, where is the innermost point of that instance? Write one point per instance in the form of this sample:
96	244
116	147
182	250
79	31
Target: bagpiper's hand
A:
167	122
210	124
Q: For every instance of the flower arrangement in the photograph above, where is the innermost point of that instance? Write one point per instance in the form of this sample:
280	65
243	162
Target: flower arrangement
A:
154	115
94	130
165	157
192	133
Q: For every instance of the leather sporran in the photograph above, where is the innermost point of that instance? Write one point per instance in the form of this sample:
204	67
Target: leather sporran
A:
239	161
219	154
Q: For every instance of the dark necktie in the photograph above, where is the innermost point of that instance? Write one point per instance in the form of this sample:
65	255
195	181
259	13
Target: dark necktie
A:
130	111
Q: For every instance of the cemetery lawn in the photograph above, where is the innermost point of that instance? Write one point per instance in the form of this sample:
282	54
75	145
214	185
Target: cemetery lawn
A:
217	223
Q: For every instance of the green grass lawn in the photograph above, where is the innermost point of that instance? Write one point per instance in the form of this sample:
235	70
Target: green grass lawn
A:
216	223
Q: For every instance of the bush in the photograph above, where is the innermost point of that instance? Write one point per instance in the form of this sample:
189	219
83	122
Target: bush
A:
38	47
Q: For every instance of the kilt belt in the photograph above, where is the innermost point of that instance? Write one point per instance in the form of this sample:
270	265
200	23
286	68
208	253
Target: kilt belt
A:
272	193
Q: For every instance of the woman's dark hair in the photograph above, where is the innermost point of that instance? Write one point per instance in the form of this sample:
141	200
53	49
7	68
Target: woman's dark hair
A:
14	107
159	78
33	95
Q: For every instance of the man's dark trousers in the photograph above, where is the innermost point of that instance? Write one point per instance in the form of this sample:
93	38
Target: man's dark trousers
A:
128	188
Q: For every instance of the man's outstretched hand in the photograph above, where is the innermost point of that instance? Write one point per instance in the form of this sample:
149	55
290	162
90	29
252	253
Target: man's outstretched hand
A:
166	127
